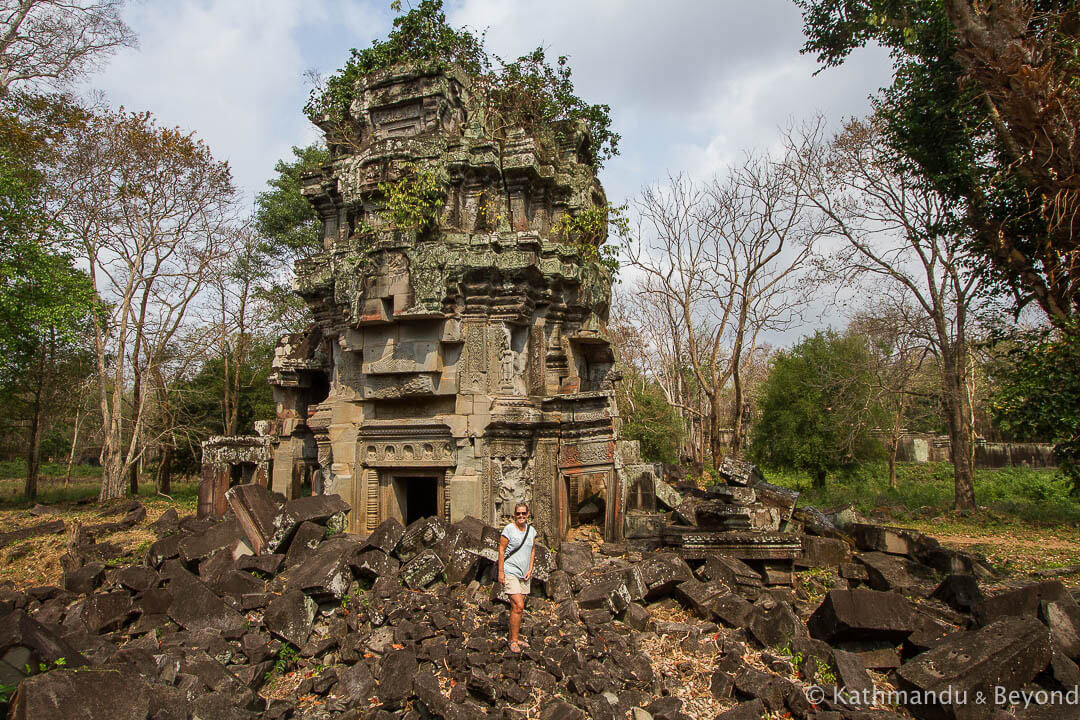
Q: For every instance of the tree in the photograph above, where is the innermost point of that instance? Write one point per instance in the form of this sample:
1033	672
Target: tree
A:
897	355
720	265
284	218
906	236
817	408
45	301
288	230
196	400
984	106
1038	392
150	207
54	41
653	422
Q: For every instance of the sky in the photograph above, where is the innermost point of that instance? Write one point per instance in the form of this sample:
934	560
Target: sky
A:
692	84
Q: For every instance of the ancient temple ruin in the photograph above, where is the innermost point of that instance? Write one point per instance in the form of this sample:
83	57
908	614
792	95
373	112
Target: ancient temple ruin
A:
458	367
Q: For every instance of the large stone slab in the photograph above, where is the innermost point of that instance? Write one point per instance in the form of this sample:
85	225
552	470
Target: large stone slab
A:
739	472
24	641
304	544
662	572
610	595
290	616
575	558
396	676
51	527
699	597
195	607
326	575
822	552
1063	620
890	572
84	694
421	534
862	614
316	508
1001	657
668	496
960	592
266	525
202	545
422	570
1023	602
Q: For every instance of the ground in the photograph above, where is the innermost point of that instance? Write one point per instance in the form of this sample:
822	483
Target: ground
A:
1009	536
1019	548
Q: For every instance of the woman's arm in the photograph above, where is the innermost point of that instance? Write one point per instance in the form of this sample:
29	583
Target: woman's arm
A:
532	555
502	556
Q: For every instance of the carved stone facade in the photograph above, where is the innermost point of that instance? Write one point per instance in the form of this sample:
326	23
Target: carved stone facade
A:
464	367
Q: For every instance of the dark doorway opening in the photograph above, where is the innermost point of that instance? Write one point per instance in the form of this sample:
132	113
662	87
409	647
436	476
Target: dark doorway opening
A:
421	498
241	472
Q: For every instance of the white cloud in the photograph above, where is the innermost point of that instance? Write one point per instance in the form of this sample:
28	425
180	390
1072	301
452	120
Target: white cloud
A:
222	70
691	84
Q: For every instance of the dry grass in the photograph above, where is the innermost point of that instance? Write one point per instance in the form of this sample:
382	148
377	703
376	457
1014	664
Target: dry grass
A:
1011	547
36	561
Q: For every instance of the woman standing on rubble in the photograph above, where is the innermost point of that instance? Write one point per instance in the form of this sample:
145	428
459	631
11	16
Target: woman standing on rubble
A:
515	567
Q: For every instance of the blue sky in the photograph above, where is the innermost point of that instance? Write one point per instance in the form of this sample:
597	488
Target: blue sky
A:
691	84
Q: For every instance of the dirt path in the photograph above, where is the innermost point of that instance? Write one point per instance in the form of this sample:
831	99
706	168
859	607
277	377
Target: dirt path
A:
1043	543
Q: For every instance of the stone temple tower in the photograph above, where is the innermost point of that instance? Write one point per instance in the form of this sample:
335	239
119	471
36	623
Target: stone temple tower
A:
459	364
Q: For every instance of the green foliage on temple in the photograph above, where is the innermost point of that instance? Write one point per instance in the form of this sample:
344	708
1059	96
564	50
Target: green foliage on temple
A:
414	200
528	93
589	229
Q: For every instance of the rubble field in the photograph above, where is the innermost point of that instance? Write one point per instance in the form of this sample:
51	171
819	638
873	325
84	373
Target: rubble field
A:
274	612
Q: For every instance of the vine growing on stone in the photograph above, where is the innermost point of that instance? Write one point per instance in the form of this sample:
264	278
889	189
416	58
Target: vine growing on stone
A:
589	228
413	201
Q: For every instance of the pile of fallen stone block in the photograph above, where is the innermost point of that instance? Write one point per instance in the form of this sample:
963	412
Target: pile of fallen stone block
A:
409	623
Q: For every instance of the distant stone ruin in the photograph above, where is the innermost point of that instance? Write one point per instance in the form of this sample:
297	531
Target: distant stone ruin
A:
461	364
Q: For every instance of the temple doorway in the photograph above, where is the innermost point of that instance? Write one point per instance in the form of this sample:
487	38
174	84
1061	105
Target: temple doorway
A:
417	497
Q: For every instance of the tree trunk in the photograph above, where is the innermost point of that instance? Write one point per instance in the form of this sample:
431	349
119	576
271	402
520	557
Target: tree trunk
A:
716	448
960	432
164	475
74	444
136	410
112	476
737	410
33	453
894	443
893	483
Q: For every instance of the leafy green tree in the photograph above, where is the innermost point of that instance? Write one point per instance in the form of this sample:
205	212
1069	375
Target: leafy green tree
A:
45	301
198	401
289	229
653	422
984	105
1038	392
284	219
816	407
